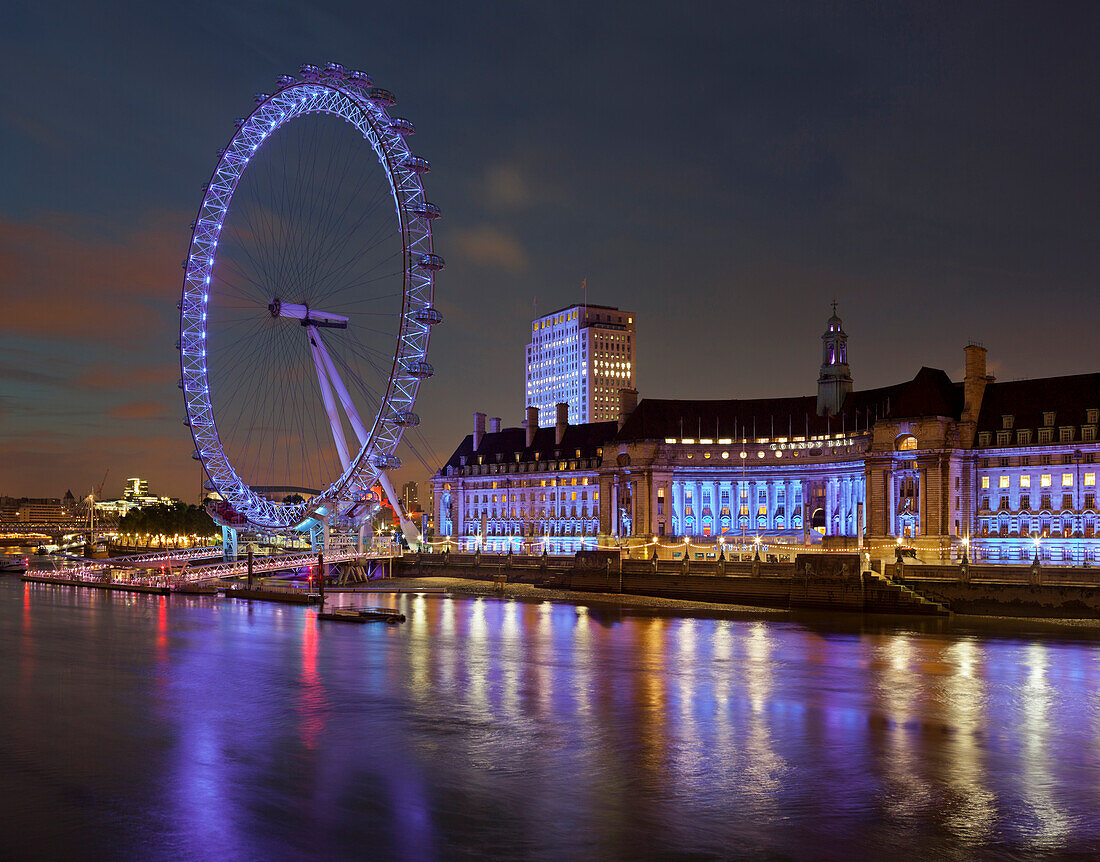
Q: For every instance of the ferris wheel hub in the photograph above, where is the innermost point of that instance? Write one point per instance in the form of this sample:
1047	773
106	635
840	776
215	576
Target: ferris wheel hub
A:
306	315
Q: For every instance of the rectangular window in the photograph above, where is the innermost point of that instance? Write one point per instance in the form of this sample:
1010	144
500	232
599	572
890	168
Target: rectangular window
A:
1025	502
1067	480
1003	482
1090	480
1045	435
985	483
1025	481
1044	480
1065	434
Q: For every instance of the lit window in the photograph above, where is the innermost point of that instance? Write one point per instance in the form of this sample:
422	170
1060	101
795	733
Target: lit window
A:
1067	480
1025	481
1003	483
985	483
1090	480
1044	480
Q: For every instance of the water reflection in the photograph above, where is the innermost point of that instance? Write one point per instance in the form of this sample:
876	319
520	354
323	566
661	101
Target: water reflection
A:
520	729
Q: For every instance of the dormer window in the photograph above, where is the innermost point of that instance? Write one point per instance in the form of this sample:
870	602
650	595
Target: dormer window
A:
1094	416
1006	421
1048	418
983	438
1023	436
906	443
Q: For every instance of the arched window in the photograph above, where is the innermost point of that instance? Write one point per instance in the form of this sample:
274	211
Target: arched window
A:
906	443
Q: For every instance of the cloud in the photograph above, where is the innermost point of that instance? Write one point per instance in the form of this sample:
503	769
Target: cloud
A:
490	247
506	187
138	410
61	279
107	375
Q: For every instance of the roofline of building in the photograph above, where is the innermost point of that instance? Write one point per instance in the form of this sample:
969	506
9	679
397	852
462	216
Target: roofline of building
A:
577	305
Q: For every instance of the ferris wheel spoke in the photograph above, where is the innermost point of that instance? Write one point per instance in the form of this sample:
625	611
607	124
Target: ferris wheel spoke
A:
337	249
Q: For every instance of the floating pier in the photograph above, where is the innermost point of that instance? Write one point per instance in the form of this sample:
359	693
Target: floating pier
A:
349	614
285	595
115	586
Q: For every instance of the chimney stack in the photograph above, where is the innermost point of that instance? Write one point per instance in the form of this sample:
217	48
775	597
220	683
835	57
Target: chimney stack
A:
562	423
974	382
494	425
628	400
531	423
479	429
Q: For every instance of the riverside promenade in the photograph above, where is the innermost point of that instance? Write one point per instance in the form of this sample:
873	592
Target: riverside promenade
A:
833	583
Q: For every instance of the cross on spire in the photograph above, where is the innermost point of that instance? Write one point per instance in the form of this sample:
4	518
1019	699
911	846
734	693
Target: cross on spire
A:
834	305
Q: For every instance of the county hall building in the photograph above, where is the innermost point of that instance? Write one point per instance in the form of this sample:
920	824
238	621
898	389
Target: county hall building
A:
930	463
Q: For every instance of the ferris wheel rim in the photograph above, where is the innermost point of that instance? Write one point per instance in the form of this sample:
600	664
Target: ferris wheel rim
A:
351	97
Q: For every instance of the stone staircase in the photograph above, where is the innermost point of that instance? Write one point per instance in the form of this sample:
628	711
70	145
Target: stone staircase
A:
893	597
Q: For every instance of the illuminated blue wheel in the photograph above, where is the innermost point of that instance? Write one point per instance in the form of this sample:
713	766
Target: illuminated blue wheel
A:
308	302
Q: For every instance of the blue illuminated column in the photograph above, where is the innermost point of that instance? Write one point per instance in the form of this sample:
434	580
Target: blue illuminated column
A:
847	517
891	500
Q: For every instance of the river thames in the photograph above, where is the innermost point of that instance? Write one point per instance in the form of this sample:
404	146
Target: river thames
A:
149	727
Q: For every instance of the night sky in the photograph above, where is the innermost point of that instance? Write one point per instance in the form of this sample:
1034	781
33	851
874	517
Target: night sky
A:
723	170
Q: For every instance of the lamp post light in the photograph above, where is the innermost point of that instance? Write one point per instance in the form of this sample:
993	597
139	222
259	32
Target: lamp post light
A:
966	547
1037	541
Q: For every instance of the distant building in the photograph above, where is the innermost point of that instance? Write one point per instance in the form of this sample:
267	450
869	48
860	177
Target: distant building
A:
40	509
135	489
581	356
410	496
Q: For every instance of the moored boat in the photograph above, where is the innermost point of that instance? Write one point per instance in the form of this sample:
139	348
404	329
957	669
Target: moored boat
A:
11	564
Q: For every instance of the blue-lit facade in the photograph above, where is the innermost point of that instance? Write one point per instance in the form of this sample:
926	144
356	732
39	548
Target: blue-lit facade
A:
523	490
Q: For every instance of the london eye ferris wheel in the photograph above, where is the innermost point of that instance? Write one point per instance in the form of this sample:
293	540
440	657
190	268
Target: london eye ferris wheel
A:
308	304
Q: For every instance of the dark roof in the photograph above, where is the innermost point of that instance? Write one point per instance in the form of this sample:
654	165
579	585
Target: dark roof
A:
579	305
508	441
1027	400
930	393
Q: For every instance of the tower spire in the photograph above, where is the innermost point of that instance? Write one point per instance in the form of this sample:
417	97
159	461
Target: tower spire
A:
835	380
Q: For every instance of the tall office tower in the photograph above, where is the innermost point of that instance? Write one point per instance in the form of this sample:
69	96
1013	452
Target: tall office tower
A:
581	356
410	496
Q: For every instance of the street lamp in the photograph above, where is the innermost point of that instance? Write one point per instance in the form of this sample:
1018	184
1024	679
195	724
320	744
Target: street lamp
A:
966	547
1037	540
